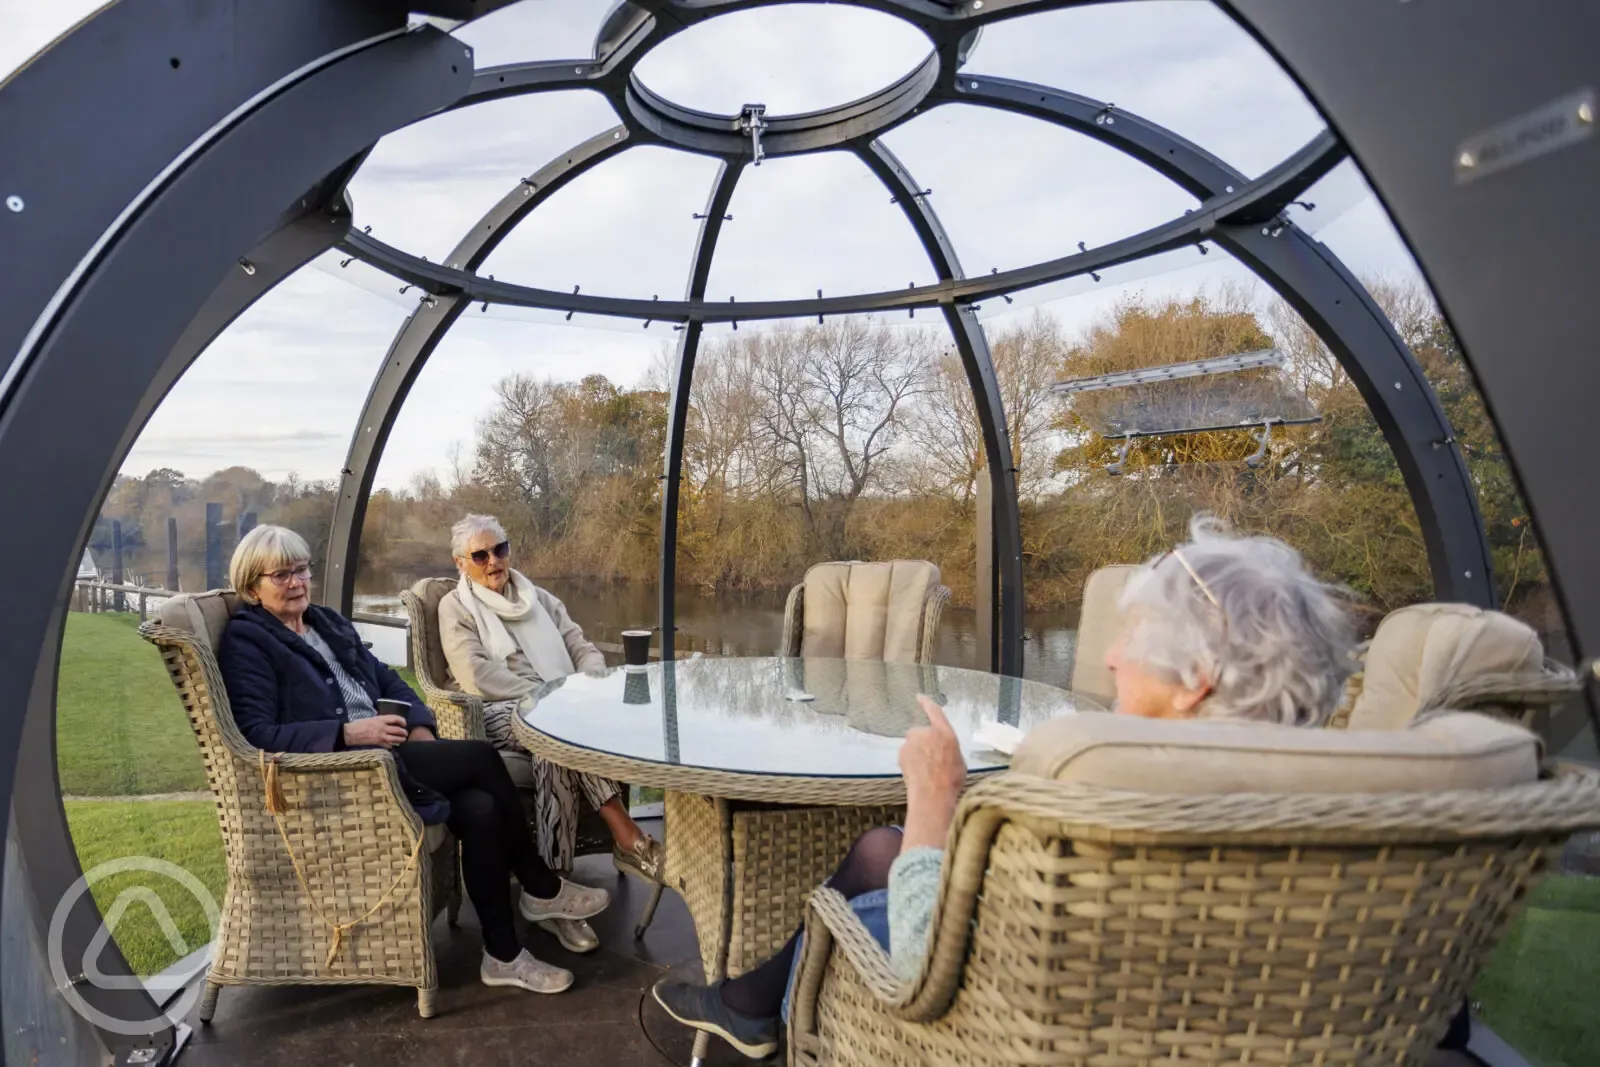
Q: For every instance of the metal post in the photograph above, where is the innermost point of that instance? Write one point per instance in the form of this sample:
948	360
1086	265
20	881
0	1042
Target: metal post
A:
247	522
172	553
214	546
117	601
678	405
983	589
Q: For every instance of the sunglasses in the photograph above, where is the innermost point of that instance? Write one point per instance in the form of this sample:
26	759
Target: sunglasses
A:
1200	584
501	551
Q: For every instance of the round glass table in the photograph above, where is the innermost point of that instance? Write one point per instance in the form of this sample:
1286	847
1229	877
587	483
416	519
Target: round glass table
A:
771	768
792	731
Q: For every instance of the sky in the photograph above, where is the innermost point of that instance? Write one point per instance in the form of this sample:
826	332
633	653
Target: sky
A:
281	389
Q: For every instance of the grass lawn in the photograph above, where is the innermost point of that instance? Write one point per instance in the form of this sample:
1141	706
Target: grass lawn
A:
183	832
1541	990
120	727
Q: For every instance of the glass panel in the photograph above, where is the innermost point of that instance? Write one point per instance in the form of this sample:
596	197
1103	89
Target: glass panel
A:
1012	190
845	441
1186	66
30	28
258	426
425	185
555	429
794	58
535	30
804	223
626	228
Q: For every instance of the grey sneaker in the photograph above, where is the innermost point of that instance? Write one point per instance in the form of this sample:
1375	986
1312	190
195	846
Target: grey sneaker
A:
573	902
647	859
701	1008
575	935
525	972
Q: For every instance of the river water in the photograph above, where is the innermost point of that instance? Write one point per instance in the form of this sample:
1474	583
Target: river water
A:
743	625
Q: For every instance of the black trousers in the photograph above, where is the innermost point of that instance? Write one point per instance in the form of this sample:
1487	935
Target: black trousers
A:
487	818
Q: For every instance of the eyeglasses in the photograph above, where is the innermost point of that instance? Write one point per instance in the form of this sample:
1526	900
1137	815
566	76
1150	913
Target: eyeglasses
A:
501	551
283	577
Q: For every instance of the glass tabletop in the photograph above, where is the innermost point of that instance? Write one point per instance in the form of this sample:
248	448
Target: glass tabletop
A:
810	717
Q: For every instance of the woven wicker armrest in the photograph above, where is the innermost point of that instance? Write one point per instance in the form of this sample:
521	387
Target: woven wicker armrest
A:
833	926
353	760
459	715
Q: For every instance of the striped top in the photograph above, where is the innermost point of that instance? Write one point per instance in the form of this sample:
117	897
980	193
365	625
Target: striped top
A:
357	703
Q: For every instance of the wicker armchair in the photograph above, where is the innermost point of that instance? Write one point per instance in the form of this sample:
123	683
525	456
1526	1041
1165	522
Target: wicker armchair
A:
1431	656
892	591
1080	925
460	715
340	887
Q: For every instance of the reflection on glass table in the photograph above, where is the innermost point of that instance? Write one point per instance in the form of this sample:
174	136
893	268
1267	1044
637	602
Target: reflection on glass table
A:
803	717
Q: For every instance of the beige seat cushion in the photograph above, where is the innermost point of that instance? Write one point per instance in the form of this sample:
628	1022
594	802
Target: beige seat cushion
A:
1450	750
866	610
1421	649
205	615
433	837
1100	623
430	591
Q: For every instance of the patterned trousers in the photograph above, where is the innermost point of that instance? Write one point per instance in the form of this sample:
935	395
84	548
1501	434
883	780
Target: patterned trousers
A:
556	790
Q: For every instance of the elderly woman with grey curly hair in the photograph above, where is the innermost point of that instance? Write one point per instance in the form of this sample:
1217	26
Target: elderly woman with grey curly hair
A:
1223	628
503	637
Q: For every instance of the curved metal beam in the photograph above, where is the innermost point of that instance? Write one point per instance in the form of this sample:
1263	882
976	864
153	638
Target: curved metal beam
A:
1336	306
138	299
416	341
784	135
1511	254
973	345
1189	229
678	405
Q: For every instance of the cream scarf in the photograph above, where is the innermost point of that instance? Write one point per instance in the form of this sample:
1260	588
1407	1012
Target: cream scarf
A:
504	626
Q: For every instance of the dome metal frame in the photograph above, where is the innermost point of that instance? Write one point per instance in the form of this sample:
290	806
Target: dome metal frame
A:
212	144
1246	217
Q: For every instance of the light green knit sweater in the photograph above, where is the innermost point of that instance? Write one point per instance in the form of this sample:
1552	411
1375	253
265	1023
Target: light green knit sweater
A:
913	887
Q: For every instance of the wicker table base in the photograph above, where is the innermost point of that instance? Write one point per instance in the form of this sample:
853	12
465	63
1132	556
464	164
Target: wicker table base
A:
745	871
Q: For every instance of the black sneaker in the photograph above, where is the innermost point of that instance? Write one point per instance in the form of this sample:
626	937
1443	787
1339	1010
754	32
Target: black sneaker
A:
701	1007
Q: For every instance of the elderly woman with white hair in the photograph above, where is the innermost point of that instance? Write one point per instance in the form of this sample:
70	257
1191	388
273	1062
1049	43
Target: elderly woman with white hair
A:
503	637
299	679
1223	628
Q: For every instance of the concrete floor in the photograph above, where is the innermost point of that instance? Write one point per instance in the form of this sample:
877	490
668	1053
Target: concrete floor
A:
606	1018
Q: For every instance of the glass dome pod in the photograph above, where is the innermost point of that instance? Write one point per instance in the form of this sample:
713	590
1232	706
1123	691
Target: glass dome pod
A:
148	247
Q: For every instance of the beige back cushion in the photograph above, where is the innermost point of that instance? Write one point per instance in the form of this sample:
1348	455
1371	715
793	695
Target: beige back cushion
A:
1450	750
430	591
1420	649
1099	625
866	610
205	615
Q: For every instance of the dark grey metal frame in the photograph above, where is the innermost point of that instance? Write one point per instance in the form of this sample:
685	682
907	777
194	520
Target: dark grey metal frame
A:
207	163
1241	215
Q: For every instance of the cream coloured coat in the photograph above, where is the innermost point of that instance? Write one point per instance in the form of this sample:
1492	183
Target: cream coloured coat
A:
475	671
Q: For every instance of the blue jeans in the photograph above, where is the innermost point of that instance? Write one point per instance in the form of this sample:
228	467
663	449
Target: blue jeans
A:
873	911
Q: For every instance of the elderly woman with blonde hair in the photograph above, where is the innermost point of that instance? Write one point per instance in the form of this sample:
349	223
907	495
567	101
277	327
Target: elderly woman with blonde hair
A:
1221	628
503	637
299	679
